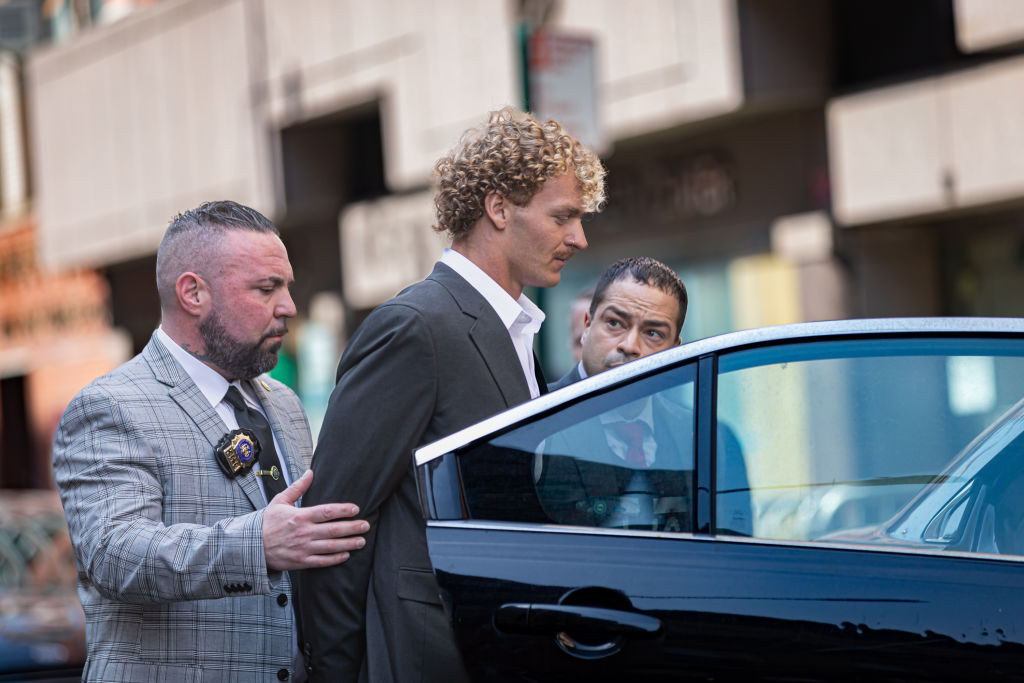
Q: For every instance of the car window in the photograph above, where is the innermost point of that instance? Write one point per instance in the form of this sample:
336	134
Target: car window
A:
620	459
897	442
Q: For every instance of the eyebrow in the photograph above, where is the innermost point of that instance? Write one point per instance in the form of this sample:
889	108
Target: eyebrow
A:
274	280
645	321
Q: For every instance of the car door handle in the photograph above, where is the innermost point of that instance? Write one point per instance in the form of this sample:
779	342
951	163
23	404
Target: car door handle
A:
552	619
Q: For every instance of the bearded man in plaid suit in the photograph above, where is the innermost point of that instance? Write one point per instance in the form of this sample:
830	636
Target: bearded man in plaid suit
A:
166	465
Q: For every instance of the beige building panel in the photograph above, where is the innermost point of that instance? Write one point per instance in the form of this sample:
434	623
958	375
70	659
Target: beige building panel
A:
987	24
436	68
175	104
140	120
676	61
315	38
387	244
887	152
948	142
986	119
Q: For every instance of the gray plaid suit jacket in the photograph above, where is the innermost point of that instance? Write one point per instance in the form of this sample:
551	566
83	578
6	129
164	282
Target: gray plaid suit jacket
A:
171	570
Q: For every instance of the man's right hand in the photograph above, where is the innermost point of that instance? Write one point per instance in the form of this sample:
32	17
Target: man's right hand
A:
303	538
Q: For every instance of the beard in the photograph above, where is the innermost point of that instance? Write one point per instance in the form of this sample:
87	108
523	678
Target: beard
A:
236	358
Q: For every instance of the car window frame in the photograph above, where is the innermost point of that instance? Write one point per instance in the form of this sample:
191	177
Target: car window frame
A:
436	460
769	352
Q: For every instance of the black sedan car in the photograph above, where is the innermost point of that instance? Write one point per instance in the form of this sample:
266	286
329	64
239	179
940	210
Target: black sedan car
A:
822	501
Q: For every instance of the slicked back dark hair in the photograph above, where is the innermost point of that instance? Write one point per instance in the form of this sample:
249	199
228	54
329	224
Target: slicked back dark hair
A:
646	271
193	237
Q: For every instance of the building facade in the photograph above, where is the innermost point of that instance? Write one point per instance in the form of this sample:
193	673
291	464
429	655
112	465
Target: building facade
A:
792	159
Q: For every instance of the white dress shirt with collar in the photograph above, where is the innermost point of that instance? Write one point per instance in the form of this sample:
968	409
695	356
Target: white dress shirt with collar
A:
521	317
581	370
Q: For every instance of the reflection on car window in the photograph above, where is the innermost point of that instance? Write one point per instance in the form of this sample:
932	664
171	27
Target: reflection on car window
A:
912	442
622	459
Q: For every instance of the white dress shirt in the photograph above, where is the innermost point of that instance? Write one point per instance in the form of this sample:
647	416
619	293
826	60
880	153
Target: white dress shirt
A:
521	317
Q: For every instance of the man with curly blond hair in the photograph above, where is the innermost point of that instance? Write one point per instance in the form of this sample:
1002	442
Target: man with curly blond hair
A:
443	354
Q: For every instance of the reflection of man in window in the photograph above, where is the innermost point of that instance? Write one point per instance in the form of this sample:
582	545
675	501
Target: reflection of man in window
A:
632	466
629	466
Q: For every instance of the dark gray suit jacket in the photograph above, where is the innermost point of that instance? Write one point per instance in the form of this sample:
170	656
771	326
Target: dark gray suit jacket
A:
427	363
570	377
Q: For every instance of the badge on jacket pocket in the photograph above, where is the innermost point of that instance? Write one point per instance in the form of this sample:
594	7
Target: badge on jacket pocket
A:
237	451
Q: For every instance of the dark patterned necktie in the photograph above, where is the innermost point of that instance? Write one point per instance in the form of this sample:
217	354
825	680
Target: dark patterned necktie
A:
250	418
632	435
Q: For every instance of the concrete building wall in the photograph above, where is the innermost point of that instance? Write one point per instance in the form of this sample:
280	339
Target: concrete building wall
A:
988	24
674	62
928	146
185	101
138	120
435	68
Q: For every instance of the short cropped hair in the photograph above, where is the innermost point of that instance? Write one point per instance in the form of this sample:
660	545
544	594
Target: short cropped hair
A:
512	154
647	271
192	238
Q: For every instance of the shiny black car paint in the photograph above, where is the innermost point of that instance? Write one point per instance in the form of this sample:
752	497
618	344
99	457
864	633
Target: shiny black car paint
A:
732	609
540	602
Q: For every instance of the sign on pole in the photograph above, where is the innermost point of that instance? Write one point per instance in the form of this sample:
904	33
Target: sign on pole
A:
563	84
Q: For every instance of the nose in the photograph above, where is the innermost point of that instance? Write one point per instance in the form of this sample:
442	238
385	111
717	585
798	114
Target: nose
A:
576	238
285	306
629	343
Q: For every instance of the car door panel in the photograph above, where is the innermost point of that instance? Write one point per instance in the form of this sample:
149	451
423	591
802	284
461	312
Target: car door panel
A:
756	611
816	533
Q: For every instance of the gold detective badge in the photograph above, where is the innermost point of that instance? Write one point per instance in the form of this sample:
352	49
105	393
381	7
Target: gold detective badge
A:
237	451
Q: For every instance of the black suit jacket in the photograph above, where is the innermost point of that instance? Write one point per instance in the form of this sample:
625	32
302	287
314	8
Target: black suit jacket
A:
427	363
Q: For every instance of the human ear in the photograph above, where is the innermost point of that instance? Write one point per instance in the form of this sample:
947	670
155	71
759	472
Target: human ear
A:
496	206
586	327
192	293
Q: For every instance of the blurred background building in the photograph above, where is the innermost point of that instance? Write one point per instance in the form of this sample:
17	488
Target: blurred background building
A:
791	159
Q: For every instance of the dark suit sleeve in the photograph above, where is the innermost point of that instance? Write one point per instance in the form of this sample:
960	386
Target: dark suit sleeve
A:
377	414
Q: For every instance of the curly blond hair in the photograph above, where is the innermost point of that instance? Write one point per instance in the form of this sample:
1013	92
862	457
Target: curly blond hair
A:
512	154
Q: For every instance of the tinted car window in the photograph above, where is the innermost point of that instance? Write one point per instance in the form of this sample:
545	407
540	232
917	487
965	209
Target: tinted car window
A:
842	438
621	459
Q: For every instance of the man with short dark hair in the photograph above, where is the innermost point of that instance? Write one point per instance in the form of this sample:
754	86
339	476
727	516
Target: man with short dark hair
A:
166	466
443	354
637	309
